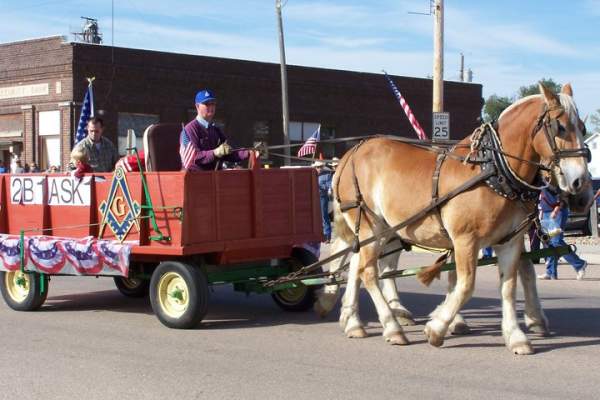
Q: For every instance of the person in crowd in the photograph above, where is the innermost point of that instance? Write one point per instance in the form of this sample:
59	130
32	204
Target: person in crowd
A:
325	179
487	252
203	146
2	168
53	169
554	212
34	168
101	152
18	167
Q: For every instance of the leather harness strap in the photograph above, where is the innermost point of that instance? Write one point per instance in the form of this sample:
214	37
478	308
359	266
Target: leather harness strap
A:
435	183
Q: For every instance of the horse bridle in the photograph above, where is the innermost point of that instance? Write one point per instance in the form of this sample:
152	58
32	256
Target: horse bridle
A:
551	127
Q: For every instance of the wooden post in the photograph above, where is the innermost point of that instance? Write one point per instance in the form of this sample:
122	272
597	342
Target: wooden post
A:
284	86
438	56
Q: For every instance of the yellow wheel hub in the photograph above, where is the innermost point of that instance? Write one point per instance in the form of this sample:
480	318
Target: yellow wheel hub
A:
131	283
173	294
292	295
18	285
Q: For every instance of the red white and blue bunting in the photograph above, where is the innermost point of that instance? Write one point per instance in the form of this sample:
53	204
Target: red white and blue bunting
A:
65	256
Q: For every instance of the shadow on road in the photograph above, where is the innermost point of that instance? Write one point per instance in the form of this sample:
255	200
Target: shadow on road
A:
233	310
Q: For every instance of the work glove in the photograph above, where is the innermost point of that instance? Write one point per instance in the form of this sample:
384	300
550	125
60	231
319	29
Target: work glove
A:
223	150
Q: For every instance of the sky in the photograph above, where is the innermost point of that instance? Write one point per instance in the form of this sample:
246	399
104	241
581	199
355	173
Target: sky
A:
507	43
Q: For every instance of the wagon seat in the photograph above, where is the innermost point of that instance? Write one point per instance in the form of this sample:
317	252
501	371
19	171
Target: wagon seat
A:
161	147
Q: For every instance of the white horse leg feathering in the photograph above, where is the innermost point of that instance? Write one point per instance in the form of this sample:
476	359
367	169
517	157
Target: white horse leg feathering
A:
349	318
466	262
367	266
508	261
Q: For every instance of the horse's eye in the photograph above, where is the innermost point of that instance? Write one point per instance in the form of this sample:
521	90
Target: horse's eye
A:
561	129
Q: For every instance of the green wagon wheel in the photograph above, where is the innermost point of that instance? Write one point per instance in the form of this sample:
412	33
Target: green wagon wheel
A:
301	297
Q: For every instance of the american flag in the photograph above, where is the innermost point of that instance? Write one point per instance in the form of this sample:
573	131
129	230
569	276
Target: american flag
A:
411	117
310	146
87	111
187	151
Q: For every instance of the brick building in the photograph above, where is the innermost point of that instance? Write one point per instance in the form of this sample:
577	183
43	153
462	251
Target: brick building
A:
43	81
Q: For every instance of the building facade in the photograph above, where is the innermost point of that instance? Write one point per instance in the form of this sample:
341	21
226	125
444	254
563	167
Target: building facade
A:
43	81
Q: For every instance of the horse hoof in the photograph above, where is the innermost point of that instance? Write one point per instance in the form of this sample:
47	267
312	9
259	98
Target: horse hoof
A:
433	337
539	330
357	333
522	349
397	339
405	321
460	328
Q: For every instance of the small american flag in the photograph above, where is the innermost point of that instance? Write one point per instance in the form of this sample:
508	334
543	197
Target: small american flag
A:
411	117
187	150
310	146
87	111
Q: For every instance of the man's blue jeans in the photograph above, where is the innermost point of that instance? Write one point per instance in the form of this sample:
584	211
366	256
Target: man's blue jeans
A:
325	216
558	240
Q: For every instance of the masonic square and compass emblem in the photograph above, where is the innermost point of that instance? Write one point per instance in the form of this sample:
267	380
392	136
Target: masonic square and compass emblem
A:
120	211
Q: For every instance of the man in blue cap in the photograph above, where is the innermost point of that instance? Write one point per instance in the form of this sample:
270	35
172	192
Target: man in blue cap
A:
202	144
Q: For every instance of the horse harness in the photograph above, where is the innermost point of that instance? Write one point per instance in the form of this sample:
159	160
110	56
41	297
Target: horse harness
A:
495	172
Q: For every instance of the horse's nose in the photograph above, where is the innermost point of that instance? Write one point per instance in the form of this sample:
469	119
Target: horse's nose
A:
577	184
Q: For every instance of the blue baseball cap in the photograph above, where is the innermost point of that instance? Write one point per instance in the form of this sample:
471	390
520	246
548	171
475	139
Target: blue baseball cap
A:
204	95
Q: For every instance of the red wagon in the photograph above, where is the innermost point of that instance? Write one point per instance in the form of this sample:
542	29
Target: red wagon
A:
165	231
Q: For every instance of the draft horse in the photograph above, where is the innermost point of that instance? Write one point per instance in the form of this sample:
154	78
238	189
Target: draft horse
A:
488	183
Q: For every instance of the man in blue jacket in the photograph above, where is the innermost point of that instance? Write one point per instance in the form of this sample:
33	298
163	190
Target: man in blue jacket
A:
325	179
554	212
202	145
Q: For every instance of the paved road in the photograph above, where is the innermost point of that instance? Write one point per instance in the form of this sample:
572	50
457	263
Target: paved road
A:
90	342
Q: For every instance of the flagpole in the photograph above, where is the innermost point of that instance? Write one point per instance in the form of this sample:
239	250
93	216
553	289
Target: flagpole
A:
284	83
91	88
317	144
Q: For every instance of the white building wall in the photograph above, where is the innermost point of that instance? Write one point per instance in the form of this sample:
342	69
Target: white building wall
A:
594	144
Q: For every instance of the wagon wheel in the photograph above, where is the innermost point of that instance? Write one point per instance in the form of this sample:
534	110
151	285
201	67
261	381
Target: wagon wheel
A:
179	294
132	287
301	297
21	290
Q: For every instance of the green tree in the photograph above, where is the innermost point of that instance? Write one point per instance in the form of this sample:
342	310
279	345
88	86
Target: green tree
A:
525	91
494	106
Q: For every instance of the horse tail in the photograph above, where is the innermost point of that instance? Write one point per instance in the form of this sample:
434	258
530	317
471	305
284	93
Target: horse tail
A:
340	226
428	274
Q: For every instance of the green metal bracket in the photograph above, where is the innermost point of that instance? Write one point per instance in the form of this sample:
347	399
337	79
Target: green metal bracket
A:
177	294
160	236
548	252
22	250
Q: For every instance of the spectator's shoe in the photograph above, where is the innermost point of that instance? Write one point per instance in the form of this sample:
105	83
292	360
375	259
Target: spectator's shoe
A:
581	272
544	277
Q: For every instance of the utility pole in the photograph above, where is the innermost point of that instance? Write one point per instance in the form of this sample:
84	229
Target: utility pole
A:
284	86
438	56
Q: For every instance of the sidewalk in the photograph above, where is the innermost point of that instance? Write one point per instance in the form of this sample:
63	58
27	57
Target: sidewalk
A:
590	253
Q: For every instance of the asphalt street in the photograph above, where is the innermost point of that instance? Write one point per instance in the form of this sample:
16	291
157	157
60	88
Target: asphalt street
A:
90	342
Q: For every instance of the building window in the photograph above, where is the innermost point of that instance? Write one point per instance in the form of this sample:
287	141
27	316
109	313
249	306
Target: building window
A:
49	132
50	152
137	122
11	125
300	131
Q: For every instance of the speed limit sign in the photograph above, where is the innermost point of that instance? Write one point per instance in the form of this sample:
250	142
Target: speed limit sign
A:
441	126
